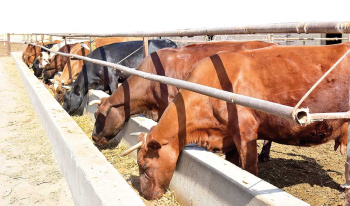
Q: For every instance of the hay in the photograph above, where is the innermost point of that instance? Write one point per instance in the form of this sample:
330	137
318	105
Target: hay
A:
126	166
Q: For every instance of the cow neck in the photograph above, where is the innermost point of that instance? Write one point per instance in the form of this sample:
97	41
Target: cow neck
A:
131	97
174	129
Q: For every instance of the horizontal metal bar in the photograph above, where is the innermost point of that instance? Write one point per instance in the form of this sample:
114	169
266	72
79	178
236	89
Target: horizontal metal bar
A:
273	39
322	116
311	38
297	27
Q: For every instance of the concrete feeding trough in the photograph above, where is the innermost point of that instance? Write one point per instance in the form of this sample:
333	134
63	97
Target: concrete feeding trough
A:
203	178
92	180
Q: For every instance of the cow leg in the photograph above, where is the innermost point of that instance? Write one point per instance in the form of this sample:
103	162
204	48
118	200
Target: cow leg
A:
233	157
245	139
265	152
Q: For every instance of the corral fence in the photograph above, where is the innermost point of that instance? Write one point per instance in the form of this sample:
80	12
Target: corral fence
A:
301	116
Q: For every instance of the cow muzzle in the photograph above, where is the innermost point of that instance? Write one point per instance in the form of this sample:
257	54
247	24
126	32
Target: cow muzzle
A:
99	141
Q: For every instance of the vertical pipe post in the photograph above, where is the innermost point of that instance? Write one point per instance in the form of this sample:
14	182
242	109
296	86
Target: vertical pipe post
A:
8	44
270	38
90	44
145	46
68	61
50	38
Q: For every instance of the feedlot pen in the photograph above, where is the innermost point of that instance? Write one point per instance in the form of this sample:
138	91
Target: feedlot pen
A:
312	174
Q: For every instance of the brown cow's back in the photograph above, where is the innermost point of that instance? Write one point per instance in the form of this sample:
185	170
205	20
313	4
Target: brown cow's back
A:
110	40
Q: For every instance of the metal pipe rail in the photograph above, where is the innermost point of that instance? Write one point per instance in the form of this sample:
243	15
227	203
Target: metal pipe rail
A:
301	116
295	27
310	38
272	39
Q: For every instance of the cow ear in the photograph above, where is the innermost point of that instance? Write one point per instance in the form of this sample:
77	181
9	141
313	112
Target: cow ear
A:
154	145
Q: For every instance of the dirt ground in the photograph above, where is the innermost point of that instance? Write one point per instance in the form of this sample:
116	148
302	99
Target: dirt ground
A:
29	174
312	174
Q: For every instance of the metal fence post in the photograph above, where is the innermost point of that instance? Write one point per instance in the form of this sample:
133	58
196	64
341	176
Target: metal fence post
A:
8	44
145	46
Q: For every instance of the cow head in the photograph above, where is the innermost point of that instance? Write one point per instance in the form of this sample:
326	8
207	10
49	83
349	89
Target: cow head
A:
48	72
72	99
39	63
30	54
107	120
157	162
59	91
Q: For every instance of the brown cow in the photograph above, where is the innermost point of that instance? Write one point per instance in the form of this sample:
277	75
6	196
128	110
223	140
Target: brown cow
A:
110	40
277	74
138	95
57	62
70	71
33	52
30	54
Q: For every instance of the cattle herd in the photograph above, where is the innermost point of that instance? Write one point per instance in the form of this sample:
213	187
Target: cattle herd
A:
281	74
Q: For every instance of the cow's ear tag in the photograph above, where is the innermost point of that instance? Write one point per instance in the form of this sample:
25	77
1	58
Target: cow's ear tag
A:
154	145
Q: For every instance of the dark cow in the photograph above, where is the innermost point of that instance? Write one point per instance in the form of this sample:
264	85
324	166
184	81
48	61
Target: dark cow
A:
138	95
277	74
94	76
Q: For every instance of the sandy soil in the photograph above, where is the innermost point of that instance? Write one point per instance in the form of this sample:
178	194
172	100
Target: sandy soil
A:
29	174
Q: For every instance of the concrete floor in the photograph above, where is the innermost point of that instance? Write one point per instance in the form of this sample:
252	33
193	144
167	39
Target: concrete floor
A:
29	173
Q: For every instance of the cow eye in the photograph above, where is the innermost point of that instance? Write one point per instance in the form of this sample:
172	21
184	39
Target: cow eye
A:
144	166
